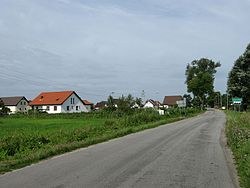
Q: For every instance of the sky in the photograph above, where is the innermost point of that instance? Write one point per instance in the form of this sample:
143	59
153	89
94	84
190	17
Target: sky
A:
103	47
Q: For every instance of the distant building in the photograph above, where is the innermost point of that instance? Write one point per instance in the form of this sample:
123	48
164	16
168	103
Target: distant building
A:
152	104
171	101
101	105
88	105
16	104
58	102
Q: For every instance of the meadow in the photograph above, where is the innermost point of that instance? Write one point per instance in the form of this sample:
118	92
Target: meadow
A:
238	134
25	139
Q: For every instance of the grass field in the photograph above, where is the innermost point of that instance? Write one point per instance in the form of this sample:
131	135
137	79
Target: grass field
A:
238	133
27	139
44	126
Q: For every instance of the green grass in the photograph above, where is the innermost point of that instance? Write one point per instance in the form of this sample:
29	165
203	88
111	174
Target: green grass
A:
11	125
27	139
238	133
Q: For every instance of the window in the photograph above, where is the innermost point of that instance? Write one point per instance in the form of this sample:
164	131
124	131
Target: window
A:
72	100
55	108
20	109
76	108
21	103
67	108
47	108
24	103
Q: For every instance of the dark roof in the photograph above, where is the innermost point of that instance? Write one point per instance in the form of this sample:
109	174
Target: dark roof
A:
101	104
12	101
171	100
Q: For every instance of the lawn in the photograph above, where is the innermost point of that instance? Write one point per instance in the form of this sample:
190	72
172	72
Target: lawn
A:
27	139
238	133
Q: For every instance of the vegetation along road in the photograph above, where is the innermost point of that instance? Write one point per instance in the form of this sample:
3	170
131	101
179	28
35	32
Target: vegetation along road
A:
188	153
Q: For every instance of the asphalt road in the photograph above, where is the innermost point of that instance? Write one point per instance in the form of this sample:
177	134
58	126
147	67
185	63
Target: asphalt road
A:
188	153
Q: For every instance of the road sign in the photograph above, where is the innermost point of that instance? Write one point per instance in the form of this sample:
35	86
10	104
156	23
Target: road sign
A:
237	100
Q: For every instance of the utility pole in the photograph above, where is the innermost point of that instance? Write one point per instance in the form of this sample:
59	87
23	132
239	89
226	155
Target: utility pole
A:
220	101
227	100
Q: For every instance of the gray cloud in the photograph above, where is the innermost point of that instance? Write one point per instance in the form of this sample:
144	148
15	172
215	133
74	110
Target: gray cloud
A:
99	47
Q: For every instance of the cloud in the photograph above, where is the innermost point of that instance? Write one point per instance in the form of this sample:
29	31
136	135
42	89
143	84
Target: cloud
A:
99	47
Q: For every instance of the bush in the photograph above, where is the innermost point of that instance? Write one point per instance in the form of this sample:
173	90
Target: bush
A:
11	145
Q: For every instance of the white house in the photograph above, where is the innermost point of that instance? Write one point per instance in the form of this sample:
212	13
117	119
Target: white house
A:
171	101
155	105
58	102
16	104
152	104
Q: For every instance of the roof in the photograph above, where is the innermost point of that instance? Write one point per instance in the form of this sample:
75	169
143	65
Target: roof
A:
171	100
51	98
86	102
12	101
155	103
101	104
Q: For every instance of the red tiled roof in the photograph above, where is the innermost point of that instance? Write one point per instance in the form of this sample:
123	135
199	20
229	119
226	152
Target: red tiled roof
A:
51	98
86	102
171	100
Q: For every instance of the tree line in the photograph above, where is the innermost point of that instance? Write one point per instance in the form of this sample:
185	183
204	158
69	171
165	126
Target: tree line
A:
200	75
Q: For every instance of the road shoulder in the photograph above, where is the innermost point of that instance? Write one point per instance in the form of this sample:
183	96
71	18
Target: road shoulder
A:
229	158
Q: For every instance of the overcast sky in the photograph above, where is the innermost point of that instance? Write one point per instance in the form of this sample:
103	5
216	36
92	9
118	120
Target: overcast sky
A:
97	47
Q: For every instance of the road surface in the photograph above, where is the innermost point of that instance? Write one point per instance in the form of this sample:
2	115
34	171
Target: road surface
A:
188	153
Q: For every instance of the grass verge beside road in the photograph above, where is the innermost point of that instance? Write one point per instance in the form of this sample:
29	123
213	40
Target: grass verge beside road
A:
238	134
29	139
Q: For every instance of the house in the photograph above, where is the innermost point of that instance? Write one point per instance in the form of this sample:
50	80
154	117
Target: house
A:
101	105
171	101
136	106
16	104
152	104
58	102
88	105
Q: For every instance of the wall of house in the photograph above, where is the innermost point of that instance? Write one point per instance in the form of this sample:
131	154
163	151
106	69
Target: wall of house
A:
13	109
49	109
165	106
52	109
148	105
88	107
73	102
22	106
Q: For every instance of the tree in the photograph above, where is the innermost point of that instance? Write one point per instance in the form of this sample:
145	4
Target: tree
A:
138	101
212	100
111	103
200	79
188	100
3	110
238	84
125	104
